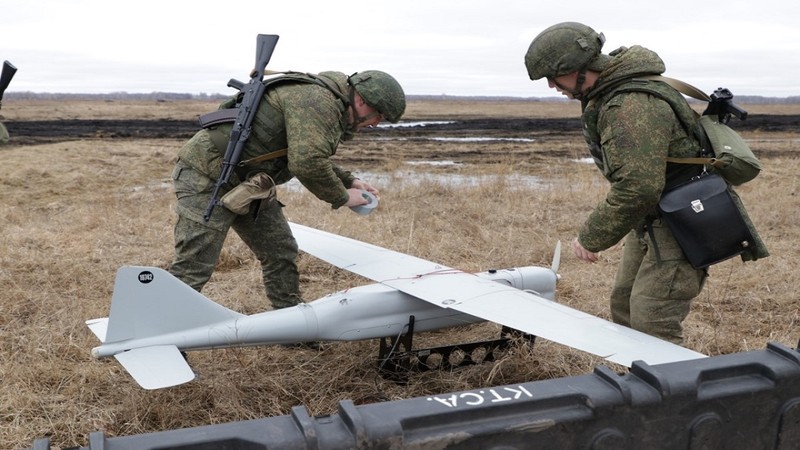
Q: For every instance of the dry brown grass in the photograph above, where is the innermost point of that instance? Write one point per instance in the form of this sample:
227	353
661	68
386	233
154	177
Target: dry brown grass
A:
74	212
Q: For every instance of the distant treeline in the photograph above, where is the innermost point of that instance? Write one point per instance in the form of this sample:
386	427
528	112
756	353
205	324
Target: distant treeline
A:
164	96
170	96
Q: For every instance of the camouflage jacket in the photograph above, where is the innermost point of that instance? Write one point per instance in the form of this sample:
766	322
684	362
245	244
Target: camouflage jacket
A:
306	118
631	125
630	134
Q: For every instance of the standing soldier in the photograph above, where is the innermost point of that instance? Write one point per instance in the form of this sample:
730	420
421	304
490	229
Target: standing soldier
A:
300	121
630	134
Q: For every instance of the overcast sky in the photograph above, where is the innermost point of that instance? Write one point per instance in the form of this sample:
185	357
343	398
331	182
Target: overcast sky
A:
466	47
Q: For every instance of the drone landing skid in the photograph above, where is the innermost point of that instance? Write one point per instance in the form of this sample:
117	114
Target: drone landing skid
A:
397	358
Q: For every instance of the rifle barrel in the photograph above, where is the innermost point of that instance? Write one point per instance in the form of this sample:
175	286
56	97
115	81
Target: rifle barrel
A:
240	132
265	44
5	78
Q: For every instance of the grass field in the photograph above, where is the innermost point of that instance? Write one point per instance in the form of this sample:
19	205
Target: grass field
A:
75	211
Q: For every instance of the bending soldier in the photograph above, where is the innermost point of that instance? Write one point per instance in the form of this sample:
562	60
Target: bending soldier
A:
308	116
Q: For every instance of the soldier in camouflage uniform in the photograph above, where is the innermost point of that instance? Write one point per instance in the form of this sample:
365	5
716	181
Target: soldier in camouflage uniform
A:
5	78
3	133
308	115
630	134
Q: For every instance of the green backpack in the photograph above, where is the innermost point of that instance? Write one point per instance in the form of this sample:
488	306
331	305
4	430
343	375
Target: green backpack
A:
733	158
725	150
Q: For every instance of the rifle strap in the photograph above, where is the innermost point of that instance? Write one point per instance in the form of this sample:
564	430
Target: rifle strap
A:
265	157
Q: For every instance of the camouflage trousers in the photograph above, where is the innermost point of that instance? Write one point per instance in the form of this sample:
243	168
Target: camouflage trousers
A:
263	229
654	296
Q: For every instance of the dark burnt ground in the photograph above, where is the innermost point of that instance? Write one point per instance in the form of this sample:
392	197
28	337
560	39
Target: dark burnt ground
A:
49	131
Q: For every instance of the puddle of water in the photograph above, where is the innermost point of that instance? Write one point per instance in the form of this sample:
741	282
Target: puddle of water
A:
153	187
403	178
434	163
423	123
420	123
480	139
452	139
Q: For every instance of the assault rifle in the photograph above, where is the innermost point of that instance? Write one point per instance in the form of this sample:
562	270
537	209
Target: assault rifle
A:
8	73
247	106
721	105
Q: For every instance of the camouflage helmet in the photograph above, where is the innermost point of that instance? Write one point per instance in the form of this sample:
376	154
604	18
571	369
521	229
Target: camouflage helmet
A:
562	49
382	92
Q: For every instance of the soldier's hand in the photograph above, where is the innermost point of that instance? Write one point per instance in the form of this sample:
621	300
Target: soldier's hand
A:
363	185
356	198
582	253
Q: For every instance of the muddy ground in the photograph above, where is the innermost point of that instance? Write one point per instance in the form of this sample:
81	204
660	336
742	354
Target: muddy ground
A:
49	131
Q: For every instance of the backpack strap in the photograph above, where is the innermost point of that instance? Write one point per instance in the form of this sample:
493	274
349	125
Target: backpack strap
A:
699	160
680	86
308	77
691	91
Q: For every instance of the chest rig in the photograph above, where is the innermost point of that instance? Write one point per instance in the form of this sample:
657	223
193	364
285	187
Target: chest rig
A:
676	173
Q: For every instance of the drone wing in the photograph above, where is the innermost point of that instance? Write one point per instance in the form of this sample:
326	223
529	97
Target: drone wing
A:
521	310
